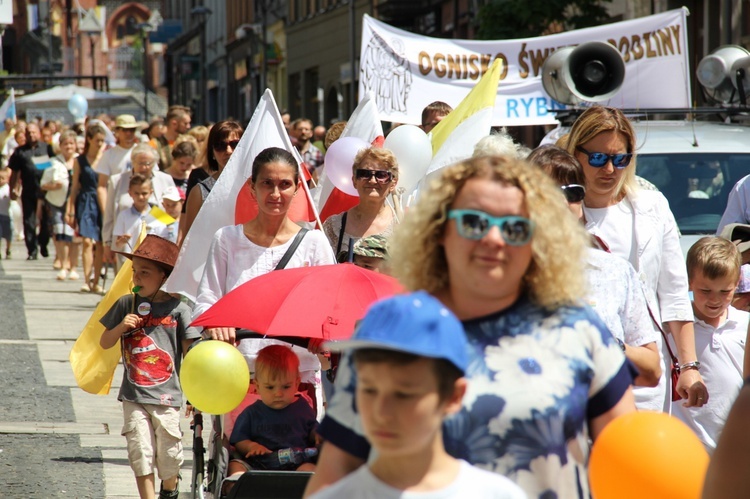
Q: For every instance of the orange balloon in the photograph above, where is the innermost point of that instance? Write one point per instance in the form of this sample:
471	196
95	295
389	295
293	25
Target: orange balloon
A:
647	454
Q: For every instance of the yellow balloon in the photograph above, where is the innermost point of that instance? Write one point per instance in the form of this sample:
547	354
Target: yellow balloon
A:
647	454
214	377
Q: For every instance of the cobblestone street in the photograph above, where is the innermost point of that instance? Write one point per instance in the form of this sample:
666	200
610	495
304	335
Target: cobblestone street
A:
55	439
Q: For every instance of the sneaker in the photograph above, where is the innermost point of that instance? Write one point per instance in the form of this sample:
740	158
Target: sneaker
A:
85	289
169	494
43	251
98	289
73	276
62	275
32	256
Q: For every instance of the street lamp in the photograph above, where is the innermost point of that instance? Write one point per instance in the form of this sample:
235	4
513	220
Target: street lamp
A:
144	29
201	13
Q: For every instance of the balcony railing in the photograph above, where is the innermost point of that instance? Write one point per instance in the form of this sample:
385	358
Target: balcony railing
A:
126	63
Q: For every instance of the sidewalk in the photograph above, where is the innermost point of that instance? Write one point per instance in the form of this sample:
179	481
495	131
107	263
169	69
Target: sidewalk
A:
55	313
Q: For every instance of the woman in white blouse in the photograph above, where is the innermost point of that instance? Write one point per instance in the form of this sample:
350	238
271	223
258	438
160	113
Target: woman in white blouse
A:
241	252
637	225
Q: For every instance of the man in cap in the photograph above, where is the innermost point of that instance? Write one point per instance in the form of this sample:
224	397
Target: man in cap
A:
117	160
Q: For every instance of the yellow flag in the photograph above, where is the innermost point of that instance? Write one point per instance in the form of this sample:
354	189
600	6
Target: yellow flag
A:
160	215
480	97
454	138
93	366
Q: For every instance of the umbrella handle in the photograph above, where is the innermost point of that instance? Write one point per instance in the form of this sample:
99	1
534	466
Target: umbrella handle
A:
245	334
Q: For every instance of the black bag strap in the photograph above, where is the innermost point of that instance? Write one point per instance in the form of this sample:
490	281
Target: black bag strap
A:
341	233
290	251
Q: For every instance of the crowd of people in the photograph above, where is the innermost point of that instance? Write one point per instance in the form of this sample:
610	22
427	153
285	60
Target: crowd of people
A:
554	283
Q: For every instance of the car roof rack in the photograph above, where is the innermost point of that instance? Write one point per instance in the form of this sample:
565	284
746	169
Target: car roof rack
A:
566	117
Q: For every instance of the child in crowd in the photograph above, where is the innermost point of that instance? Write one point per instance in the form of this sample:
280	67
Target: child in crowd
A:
713	266
153	328
409	354
172	201
5	229
184	155
370	252
280	419
128	223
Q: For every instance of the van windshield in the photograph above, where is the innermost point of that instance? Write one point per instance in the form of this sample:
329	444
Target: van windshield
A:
696	185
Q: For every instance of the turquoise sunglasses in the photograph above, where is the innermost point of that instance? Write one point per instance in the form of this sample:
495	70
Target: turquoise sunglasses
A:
475	224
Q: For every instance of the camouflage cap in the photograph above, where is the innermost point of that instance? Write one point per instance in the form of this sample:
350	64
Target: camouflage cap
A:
373	246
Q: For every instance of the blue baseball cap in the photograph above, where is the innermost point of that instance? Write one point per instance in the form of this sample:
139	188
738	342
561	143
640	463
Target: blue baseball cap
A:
415	323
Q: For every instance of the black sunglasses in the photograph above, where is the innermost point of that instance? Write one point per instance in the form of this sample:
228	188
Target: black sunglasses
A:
574	193
599	159
382	176
222	146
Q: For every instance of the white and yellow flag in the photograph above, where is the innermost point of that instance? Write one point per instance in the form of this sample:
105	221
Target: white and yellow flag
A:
454	138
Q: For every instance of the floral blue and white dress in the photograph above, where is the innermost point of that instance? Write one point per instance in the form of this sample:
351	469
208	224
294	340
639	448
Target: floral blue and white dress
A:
537	377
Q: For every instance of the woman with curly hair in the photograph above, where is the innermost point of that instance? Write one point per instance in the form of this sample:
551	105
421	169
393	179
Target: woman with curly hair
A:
492	240
637	225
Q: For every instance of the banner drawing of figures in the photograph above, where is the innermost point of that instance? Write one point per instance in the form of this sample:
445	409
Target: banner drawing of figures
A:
405	71
387	75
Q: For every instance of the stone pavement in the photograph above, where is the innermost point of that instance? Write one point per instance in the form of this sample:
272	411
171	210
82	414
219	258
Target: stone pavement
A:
55	439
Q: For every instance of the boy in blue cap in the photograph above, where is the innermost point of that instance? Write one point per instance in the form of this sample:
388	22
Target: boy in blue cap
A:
409	354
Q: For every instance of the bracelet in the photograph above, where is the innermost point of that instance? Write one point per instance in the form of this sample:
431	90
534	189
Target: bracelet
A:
690	365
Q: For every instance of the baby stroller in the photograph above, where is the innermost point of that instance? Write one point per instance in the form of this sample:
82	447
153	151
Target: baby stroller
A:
208	475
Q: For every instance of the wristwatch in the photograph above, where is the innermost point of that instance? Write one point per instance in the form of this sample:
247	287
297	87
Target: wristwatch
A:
690	365
621	343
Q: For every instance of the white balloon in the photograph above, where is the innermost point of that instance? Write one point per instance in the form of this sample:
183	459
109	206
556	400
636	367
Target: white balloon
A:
339	160
413	150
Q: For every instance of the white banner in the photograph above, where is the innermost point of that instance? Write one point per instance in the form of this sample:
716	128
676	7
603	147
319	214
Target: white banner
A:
405	72
6	12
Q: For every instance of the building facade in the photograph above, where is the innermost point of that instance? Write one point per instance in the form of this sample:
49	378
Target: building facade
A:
218	56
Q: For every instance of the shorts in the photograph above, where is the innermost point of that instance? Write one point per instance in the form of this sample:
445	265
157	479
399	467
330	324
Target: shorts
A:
154	438
5	230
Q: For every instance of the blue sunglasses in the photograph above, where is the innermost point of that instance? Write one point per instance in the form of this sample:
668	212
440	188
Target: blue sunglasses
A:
599	159
475	224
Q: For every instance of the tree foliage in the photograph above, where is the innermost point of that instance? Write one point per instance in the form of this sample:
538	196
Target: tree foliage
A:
508	19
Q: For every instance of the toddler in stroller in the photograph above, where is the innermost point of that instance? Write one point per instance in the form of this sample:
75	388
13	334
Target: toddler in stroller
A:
272	430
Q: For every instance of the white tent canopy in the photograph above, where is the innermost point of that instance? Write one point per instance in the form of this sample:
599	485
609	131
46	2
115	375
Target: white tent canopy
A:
57	97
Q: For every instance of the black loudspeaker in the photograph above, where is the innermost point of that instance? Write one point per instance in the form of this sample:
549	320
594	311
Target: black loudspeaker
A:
590	72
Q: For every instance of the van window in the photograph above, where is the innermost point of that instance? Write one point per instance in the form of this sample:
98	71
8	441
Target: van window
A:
696	185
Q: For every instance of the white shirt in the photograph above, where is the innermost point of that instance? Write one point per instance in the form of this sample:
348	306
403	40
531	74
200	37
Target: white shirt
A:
115	161
738	205
614	225
233	260
655	254
721	352
128	223
471	483
58	172
617	296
